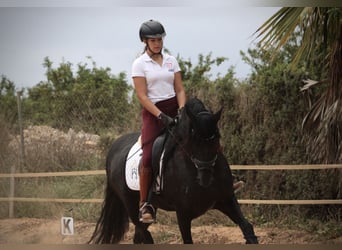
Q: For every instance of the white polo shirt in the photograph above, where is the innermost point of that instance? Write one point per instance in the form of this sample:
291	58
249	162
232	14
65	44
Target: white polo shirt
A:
159	79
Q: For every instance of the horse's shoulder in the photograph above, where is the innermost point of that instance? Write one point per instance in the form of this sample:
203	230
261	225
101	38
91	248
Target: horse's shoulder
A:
128	136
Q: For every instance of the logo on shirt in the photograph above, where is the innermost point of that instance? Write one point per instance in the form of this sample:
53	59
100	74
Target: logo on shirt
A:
169	66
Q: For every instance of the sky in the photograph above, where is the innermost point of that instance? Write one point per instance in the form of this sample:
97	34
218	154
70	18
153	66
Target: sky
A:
108	33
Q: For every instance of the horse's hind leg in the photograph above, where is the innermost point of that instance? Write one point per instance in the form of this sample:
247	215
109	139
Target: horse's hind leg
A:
232	209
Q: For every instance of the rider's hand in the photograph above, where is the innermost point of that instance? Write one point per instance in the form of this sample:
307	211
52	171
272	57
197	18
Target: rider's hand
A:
166	120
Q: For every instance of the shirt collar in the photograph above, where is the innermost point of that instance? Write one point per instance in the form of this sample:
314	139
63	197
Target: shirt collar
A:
147	58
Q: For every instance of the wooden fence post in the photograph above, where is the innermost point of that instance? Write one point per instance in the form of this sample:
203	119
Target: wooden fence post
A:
20	121
21	158
11	193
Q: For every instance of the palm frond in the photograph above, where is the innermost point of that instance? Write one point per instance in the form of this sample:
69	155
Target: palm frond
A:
277	29
321	30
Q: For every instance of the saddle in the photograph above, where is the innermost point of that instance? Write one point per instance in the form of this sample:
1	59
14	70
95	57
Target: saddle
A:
133	161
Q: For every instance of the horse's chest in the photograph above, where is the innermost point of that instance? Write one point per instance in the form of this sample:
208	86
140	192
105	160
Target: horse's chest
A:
190	191
182	183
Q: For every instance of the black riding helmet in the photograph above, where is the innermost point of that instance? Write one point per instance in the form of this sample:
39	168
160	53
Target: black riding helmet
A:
151	29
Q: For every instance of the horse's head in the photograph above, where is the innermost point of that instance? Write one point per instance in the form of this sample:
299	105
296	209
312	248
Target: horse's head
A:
202	138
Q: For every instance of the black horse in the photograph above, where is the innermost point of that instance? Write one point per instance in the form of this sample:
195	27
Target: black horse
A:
196	178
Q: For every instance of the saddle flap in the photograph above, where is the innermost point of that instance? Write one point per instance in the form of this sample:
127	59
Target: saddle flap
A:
157	151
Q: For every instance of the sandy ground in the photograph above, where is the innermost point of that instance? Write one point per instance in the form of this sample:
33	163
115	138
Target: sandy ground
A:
48	231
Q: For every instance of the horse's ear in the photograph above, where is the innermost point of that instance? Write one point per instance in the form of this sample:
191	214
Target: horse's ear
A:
217	115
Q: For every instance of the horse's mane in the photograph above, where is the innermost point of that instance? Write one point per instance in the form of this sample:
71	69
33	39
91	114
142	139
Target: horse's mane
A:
180	133
192	107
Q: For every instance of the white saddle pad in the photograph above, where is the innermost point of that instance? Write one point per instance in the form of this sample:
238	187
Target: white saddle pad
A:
132	166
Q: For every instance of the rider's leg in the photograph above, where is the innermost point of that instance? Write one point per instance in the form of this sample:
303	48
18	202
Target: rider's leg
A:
150	130
146	211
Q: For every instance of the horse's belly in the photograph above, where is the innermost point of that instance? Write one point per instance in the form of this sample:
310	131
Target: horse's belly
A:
193	198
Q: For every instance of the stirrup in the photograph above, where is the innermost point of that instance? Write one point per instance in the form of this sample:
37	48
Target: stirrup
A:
147	213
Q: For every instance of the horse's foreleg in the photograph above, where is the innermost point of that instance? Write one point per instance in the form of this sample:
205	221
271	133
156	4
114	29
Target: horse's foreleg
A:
142	235
184	223
232	209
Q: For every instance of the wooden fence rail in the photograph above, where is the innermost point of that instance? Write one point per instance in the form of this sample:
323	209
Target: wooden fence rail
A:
233	167
241	201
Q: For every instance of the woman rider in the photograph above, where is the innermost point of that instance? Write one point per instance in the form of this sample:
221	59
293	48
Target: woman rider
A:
159	88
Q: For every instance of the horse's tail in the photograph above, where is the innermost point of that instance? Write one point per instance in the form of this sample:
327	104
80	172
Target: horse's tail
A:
113	222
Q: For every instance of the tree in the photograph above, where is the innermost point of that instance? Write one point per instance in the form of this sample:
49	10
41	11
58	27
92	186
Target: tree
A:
321	46
271	108
38	105
102	98
197	78
91	98
8	103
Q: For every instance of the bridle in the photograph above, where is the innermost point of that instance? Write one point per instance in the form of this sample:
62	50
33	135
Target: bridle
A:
199	164
204	165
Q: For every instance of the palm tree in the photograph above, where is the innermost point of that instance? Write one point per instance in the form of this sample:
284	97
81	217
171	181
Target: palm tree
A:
320	32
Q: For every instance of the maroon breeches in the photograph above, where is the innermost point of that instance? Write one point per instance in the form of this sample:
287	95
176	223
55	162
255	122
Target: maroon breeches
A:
151	128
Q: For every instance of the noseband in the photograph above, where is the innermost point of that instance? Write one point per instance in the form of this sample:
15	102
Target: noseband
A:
203	165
